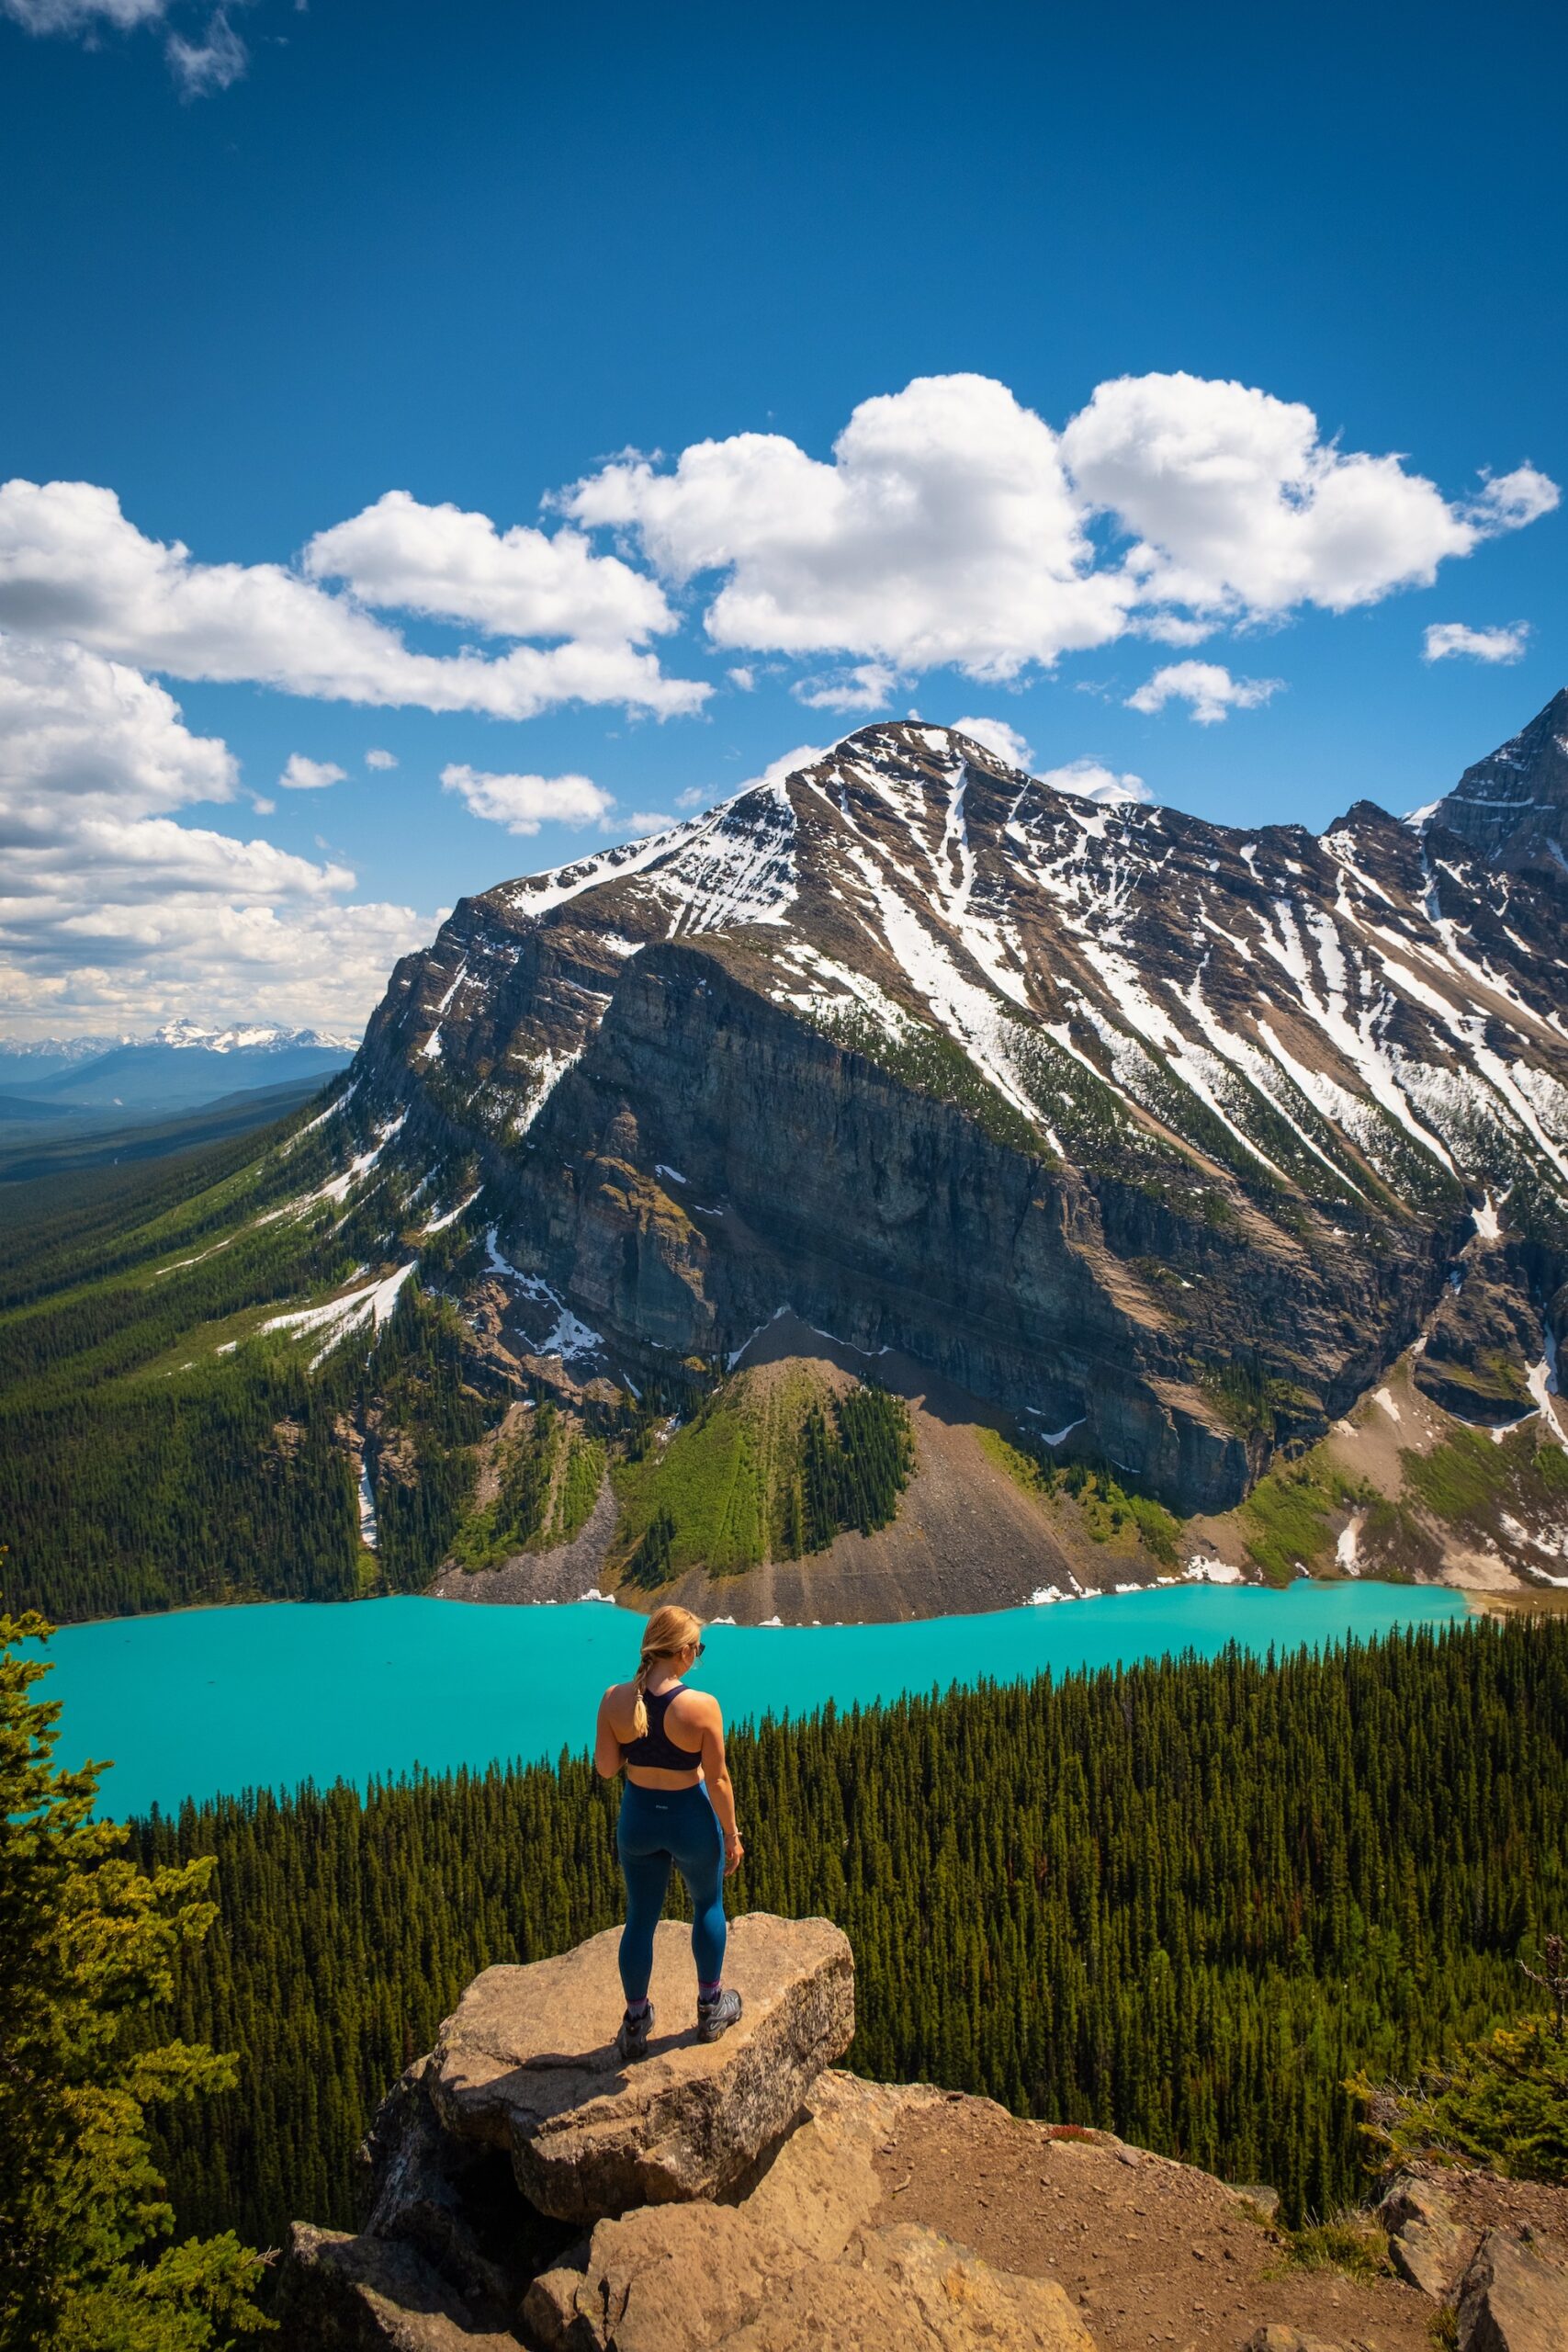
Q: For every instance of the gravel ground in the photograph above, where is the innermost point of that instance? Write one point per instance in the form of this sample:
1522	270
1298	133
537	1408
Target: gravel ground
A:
1153	2253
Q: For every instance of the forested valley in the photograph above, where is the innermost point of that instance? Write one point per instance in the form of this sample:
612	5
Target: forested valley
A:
177	1428
1185	1900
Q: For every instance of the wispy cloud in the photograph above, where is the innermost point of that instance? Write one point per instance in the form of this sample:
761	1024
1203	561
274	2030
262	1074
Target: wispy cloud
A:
214	60
1444	639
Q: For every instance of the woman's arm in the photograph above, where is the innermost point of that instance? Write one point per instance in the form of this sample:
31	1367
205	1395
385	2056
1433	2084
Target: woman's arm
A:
606	1746
721	1789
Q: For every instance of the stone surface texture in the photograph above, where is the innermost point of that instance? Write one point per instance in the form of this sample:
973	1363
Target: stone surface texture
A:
526	2065
699	2278
1278	2338
1514	2297
338	2293
1427	2243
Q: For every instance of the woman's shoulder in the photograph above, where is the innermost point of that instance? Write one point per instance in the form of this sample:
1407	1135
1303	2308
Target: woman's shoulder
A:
696	1706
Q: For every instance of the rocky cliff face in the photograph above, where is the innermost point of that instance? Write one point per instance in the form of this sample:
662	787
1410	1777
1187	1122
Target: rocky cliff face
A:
1162	1137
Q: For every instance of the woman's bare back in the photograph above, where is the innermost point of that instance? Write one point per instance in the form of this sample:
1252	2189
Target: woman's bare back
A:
690	1716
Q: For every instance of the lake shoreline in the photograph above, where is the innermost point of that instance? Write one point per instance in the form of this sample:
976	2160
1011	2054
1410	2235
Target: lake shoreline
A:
1481	1600
200	1703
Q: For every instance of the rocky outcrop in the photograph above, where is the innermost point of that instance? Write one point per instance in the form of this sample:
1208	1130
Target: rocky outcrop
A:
1427	2242
1512	805
794	2208
524	2066
1482	1340
1515	2298
735	2184
712	2278
337	2293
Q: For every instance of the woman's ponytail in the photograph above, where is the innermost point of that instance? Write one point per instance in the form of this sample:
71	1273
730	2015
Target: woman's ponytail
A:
669	1630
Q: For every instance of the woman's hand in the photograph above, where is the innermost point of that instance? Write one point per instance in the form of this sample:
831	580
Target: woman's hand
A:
734	1853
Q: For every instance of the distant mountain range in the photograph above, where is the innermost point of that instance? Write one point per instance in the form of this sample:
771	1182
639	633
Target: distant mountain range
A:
179	1067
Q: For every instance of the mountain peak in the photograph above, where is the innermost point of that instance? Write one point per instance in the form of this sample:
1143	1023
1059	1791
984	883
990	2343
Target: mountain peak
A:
1512	805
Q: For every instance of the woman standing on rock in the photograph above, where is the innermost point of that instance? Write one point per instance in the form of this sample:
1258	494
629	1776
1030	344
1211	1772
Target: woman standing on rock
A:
679	1807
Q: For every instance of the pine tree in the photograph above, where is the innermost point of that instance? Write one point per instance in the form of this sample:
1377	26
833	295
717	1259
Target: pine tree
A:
88	1943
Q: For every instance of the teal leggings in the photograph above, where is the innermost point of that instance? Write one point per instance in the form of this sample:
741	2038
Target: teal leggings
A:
658	1828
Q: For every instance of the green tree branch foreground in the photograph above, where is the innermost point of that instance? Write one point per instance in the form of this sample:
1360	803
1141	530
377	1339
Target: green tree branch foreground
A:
88	1944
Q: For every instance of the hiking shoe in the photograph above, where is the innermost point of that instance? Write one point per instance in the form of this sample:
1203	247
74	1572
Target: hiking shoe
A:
631	2042
717	2017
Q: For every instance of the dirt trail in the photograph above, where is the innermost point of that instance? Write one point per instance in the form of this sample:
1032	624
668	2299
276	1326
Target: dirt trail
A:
1152	2252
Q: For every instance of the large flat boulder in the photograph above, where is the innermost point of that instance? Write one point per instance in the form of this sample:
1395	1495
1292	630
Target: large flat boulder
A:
527	2064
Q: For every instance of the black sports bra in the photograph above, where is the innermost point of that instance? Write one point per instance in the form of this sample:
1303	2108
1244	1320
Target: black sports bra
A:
656	1749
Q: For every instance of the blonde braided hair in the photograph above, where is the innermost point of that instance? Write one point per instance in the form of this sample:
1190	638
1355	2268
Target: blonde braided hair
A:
668	1630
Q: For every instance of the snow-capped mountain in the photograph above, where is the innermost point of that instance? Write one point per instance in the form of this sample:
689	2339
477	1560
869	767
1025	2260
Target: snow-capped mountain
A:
181	1064
1168	1134
264	1037
256	1036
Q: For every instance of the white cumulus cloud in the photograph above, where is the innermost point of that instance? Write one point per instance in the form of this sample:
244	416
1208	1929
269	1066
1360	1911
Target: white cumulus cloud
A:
1508	501
457	565
380	759
998	736
524	803
944	530
1207	687
1237	506
112	914
867	686
954	525
300	774
72	566
1092	780
1444	639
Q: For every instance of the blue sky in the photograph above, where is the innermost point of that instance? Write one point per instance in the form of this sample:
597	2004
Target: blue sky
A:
1156	343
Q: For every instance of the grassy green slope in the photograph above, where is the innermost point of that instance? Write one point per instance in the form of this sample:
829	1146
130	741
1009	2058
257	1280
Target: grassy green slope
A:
159	1444
774	1463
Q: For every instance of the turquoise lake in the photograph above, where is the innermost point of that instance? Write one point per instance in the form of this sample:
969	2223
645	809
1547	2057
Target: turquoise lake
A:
214	1701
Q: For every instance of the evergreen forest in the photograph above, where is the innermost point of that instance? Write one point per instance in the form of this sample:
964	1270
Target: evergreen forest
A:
1186	1900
